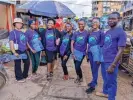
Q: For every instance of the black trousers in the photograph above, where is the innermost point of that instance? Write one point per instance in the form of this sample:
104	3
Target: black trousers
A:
18	71
64	66
78	67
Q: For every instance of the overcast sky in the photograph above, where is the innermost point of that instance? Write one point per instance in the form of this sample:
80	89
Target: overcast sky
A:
84	9
79	7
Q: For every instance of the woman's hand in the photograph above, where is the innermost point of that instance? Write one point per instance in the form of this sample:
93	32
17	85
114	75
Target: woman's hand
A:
73	56
16	54
57	41
33	51
43	53
65	57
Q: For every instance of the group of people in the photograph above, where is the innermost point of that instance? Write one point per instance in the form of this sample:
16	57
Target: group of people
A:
100	49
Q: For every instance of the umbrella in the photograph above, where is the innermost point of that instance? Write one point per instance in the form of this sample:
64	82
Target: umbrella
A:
46	8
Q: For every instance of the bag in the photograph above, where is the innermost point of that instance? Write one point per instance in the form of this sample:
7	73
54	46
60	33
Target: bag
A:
95	50
37	45
78	55
15	44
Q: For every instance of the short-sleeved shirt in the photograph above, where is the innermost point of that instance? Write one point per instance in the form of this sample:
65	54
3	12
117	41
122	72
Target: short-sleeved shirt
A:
95	38
113	39
32	37
51	37
19	38
80	39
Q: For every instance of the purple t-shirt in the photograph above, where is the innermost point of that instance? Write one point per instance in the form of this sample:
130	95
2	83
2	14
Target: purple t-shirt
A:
19	38
50	40
95	38
113	39
64	43
80	40
33	40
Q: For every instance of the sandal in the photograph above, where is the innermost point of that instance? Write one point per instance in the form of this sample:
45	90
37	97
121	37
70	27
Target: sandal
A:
100	94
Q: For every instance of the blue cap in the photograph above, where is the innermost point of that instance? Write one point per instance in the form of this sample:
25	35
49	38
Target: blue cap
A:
31	22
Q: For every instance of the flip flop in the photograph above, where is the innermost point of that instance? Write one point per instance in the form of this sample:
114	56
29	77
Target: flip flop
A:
100	94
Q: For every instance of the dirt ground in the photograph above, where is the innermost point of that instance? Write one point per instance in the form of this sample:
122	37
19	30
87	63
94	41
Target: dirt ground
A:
58	89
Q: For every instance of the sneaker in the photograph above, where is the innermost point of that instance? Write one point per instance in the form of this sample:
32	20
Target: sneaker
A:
30	77
65	77
49	77
78	80
21	81
51	74
100	94
90	90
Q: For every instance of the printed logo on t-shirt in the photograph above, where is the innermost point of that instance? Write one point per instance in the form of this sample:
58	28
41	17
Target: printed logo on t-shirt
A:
22	39
92	40
80	40
65	41
50	39
35	38
107	41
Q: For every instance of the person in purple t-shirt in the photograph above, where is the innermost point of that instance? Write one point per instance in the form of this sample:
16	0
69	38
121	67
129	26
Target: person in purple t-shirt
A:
94	52
113	47
78	48
18	37
35	47
65	48
50	40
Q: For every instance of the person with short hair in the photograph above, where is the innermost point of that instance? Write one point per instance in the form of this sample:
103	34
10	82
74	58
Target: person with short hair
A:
113	47
78	49
35	47
16	36
50	39
94	52
65	48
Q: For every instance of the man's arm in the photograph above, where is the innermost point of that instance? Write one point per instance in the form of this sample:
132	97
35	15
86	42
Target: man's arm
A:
116	60
118	56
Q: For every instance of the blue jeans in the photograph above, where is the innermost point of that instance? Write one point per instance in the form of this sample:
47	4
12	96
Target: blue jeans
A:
94	69
110	81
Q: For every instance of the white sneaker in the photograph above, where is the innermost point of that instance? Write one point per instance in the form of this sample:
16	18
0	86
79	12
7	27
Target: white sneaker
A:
21	81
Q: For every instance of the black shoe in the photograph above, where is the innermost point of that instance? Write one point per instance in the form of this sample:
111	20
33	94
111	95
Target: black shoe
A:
89	84
51	74
90	90
48	76
78	80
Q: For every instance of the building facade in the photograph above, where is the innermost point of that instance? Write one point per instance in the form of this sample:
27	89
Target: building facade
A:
100	7
128	15
7	14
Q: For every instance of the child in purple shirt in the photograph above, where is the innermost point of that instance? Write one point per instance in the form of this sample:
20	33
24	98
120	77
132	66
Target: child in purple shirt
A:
78	48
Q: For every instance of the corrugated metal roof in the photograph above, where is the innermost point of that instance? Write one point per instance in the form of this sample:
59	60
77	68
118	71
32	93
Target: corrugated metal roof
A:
7	2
